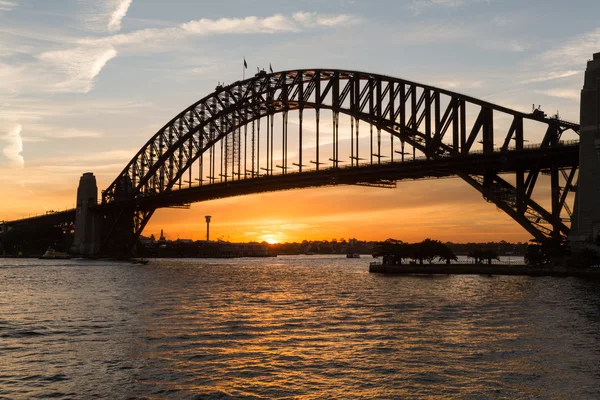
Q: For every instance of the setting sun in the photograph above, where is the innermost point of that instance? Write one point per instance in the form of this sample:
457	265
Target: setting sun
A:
270	238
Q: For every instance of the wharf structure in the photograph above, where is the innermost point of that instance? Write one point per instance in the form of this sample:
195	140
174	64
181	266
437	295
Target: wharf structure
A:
483	269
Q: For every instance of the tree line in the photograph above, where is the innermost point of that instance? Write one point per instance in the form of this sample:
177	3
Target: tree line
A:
396	252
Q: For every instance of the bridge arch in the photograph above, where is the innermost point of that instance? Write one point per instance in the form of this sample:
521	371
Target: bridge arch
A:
433	121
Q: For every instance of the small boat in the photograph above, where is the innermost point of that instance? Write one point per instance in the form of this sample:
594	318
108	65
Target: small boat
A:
52	254
352	255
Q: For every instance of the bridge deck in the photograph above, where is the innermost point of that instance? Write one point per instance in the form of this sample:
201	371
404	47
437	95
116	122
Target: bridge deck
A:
475	164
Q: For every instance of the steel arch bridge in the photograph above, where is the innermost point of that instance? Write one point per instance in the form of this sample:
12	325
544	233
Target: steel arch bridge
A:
303	128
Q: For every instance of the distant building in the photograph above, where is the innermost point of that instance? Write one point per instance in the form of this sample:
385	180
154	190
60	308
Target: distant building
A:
201	248
146	241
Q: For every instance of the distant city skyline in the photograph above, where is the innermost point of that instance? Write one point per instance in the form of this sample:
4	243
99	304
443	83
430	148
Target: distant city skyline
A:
83	84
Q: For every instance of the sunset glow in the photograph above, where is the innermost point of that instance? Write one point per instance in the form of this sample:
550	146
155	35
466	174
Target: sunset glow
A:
270	238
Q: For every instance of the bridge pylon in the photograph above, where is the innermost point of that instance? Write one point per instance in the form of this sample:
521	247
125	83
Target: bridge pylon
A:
87	223
585	226
103	232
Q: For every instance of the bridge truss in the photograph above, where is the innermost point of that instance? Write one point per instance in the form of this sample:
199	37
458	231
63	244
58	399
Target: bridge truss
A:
320	121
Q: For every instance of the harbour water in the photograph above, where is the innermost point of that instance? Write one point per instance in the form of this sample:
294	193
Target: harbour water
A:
290	327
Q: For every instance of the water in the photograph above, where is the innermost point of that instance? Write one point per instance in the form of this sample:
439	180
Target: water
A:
290	327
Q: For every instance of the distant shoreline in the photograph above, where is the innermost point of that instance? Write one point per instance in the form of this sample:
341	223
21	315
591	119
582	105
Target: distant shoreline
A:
481	269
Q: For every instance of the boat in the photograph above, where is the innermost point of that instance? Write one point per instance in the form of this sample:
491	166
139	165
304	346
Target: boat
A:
352	255
52	254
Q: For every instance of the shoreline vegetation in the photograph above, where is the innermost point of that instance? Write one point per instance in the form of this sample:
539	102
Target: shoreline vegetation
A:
550	258
429	256
25	243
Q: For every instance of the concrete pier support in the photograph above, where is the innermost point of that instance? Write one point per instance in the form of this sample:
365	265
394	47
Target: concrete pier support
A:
87	225
585	225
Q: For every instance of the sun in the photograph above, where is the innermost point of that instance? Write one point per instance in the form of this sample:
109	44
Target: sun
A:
270	238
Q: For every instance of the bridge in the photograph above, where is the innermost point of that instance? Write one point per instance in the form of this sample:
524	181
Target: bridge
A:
319	127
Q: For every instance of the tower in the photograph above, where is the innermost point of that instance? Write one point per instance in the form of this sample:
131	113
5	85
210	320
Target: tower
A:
207	227
87	225
585	226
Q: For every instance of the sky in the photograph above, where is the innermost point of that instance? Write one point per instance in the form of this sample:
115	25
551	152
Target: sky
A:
85	83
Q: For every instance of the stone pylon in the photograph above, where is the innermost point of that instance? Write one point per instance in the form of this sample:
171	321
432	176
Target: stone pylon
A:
87	225
585	224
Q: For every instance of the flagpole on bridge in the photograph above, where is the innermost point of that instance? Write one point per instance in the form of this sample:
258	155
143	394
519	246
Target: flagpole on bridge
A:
244	67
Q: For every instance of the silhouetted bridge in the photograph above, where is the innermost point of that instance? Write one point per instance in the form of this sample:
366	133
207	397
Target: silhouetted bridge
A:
309	128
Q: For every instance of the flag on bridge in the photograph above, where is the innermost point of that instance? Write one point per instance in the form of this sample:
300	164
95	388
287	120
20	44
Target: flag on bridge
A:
245	63
270	68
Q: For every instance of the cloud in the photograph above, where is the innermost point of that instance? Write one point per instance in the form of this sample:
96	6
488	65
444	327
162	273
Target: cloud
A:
273	24
460	84
6	5
103	15
551	76
114	23
277	23
572	52
560	62
50	132
568	94
517	47
420	5
78	66
12	150
433	33
11	78
117	156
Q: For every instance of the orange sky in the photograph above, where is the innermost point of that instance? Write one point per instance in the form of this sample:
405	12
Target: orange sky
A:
445	209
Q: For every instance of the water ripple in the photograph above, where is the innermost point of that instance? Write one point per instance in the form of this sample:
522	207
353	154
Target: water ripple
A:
291	327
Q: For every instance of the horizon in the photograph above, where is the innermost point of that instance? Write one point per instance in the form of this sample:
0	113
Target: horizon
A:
170	238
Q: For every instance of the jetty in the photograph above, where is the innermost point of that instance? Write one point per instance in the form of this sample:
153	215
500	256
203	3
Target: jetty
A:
482	269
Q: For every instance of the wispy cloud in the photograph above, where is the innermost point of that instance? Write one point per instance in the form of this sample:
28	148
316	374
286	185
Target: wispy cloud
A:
11	78
460	84
552	76
433	33
103	15
14	146
277	23
45	133
111	159
562	93
114	23
274	24
419	6
79	66
572	52
74	69
6	5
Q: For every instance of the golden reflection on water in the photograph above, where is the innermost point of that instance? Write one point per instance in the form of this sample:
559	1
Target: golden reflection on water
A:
293	328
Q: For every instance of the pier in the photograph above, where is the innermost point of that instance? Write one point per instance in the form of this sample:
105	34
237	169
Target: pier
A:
482	269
